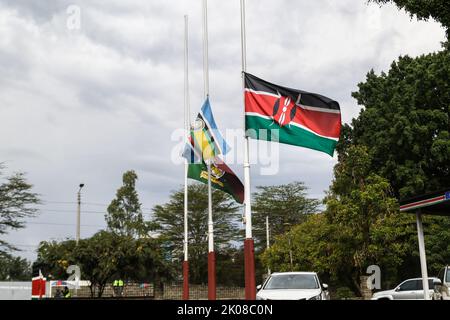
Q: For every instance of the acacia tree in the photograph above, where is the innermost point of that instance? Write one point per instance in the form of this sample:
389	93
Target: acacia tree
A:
285	205
169	219
124	215
17	202
14	268
103	257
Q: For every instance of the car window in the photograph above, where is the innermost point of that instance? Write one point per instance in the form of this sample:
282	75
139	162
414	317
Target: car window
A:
448	275
409	285
292	281
420	284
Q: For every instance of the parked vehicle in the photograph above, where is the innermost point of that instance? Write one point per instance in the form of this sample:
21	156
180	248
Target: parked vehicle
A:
443	286
293	286
411	289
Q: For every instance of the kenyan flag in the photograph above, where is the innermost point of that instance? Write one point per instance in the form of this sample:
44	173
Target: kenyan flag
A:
222	178
291	116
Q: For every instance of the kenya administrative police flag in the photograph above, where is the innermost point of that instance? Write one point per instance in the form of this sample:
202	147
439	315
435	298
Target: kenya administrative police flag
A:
222	178
290	116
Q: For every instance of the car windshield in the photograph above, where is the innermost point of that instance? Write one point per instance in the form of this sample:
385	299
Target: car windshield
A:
292	281
448	275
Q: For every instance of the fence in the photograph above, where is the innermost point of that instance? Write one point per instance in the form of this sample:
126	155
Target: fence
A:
163	292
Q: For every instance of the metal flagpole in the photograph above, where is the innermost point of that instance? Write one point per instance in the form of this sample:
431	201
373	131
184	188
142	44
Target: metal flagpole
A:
249	247
211	253
186	165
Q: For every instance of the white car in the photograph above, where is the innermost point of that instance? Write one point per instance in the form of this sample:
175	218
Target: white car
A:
293	286
411	289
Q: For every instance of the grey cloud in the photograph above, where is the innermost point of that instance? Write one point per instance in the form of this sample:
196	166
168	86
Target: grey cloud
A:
87	105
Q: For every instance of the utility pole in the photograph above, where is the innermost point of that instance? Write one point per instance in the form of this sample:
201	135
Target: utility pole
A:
77	238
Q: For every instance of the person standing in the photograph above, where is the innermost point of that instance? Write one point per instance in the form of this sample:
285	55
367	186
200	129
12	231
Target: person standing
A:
66	293
118	287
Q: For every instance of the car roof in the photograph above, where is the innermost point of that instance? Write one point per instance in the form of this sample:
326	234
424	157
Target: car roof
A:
292	273
429	278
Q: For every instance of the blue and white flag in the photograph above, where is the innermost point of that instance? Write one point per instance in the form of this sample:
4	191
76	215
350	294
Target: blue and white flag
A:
205	140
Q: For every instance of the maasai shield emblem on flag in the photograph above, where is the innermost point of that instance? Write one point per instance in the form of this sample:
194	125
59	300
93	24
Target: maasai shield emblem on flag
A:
291	116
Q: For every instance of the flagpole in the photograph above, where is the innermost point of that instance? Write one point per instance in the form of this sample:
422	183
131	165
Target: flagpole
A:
186	165
249	247
211	253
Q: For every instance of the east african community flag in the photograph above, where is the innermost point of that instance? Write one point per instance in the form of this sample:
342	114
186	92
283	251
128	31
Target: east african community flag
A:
291	116
205	137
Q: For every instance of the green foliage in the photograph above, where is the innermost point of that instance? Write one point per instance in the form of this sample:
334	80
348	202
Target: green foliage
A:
405	123
360	227
170	221
17	202
311	243
436	9
104	257
437	242
229	267
124	215
343	293
14	268
285	205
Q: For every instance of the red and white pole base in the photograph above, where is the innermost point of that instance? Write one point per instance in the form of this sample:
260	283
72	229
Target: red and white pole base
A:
212	276
185	280
250	279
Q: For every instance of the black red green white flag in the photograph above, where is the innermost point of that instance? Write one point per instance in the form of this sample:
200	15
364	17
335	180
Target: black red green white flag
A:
290	116
222	178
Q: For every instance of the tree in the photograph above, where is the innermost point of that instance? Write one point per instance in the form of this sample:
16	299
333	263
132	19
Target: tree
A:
313	246
16	204
405	123
285	205
363	207
103	257
360	227
437	9
170	220
124	215
14	268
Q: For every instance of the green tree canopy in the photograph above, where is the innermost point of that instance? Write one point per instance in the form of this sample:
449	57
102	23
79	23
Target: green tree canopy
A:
104	257
360	227
285	205
14	268
405	123
17	202
170	220
124	215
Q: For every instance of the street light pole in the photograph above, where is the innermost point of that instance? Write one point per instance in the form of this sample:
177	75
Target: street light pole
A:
290	252
288	226
77	238
268	240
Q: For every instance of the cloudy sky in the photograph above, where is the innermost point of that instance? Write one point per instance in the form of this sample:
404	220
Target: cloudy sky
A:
86	104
